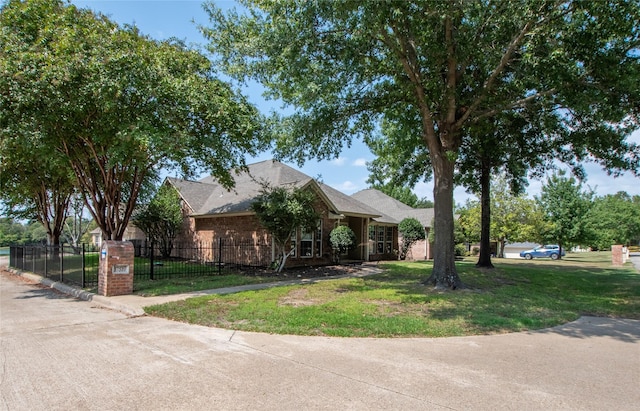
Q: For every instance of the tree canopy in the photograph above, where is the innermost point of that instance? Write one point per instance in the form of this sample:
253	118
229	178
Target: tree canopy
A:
114	106
434	69
613	219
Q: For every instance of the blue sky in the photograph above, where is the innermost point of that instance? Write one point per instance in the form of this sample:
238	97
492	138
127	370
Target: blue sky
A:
171	18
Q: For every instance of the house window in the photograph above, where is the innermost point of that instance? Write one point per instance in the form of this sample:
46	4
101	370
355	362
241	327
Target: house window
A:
380	247
380	239
306	244
294	244
310	242
318	238
372	239
389	240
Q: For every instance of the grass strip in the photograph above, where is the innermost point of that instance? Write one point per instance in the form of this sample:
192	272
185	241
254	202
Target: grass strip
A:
517	295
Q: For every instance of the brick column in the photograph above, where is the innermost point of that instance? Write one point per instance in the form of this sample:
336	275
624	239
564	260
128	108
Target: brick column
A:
616	255
115	276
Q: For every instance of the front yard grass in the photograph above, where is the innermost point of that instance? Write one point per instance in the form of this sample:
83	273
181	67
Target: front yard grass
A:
148	288
517	295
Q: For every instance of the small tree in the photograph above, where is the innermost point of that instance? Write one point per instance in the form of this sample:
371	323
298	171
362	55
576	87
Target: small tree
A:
342	239
411	231
161	218
282	211
565	206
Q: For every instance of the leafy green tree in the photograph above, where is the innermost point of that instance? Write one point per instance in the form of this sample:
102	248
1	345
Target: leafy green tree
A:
162	218
469	221
565	206
613	219
434	69
282	211
36	233
11	232
411	231
510	145
342	239
113	106
36	183
513	216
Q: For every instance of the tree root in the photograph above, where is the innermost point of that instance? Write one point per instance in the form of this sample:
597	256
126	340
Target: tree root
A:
448	283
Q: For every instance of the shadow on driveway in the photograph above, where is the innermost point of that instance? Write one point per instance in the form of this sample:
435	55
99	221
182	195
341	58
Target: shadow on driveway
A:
586	327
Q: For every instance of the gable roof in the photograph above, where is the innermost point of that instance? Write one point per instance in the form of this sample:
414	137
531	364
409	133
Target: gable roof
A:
207	197
393	208
194	193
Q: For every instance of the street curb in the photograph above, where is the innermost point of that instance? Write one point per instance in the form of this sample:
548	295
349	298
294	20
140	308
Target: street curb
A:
79	294
106	302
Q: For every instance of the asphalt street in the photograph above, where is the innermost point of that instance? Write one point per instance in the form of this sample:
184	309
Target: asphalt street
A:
57	352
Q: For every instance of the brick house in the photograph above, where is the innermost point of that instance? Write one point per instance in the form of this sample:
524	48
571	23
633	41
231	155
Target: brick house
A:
394	212
212	213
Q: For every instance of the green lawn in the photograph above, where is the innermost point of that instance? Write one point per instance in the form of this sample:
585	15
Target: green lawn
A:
169	286
518	295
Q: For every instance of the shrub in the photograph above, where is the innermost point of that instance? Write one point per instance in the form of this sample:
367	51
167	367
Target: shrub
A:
460	250
342	240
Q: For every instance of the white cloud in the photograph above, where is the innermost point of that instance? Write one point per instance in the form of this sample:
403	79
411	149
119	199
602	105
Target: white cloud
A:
347	187
360	162
340	161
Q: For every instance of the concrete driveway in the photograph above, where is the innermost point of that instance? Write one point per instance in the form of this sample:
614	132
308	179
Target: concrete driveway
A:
61	353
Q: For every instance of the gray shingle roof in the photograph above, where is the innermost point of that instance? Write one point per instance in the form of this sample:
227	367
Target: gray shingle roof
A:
393	208
348	205
194	193
207	197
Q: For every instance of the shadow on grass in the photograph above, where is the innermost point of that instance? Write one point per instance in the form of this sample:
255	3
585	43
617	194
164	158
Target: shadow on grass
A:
525	296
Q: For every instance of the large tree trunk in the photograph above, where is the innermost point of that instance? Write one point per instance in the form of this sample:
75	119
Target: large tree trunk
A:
484	259
444	274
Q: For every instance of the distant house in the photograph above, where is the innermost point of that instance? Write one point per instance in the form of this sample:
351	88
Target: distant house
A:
394	212
213	213
131	233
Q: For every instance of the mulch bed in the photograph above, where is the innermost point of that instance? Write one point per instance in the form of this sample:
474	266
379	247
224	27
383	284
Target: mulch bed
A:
309	272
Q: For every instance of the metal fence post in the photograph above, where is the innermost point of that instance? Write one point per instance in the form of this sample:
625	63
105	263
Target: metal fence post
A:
61	250
46	261
82	280
151	262
219	255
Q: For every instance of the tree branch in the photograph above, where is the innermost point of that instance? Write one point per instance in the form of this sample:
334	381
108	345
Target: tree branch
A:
519	103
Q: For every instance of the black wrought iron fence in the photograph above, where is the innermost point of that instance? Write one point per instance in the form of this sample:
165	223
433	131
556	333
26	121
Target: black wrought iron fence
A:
79	265
64	263
189	260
